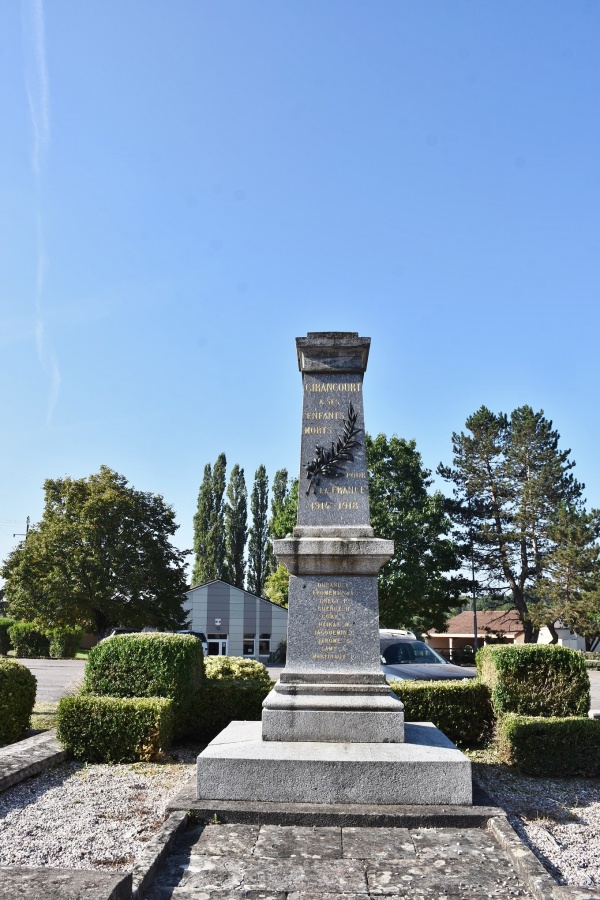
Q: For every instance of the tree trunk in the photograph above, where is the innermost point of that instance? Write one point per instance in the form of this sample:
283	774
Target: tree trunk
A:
553	632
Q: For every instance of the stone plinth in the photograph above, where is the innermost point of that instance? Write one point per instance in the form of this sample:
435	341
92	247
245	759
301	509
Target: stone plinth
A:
425	769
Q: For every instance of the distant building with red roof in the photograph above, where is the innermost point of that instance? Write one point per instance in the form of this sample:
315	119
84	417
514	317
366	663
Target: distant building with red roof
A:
494	626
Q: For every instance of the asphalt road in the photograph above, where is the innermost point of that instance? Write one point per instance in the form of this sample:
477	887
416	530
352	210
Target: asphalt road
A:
57	677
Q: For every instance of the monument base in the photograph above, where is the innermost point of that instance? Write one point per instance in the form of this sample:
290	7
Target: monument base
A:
339	708
426	769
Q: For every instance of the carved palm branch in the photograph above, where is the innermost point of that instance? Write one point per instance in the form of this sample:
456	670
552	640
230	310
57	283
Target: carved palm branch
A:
330	463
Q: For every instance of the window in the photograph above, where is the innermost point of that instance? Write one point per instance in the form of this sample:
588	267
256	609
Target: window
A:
264	645
248	645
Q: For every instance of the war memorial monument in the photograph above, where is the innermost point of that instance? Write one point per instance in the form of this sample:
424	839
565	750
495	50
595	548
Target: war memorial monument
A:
332	731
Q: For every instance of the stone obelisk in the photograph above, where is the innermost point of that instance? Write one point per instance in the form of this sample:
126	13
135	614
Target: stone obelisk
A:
332	688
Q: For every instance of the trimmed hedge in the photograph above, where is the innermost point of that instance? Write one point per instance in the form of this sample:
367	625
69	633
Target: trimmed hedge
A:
28	641
17	697
235	667
149	665
554	747
535	679
114	729
64	642
461	708
5	644
220	702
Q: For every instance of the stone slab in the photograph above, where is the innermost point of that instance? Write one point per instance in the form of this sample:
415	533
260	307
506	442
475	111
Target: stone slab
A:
66	884
363	874
224	840
294	842
426	769
377	843
29	757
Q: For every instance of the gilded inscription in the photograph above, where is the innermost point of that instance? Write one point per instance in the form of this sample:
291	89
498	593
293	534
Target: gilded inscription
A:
321	387
332	628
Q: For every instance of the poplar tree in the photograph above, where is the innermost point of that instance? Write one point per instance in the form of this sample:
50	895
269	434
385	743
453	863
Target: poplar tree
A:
236	527
260	553
209	524
284	505
510	479
284	512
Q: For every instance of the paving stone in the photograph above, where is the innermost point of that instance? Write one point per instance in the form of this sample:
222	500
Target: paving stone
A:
66	884
309	895
454	843
454	878
288	841
377	843
226	840
184	893
205	873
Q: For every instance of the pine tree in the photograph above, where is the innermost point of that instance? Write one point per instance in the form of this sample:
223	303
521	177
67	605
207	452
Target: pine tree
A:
236	527
209	524
260	553
510	479
569	589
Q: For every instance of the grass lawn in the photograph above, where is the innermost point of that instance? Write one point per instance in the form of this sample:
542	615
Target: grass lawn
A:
43	717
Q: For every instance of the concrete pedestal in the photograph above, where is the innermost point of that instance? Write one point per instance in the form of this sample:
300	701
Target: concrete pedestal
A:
426	769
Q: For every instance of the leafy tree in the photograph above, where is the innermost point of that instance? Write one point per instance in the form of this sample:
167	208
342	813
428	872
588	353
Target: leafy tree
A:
569	589
236	527
277	586
510	479
209	524
414	589
260	553
284	505
100	557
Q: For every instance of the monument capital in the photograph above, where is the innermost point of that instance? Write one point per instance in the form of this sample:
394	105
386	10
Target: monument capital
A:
332	351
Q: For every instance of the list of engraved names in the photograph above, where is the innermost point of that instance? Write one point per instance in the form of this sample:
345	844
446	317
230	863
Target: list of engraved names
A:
332	600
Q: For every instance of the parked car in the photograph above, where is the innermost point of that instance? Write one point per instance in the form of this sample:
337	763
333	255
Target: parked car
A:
411	660
120	631
197	634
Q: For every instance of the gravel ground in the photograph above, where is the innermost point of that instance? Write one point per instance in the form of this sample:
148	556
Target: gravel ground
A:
99	816
558	818
96	816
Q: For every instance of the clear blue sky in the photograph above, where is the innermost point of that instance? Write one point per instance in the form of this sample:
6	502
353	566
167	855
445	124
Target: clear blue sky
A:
188	186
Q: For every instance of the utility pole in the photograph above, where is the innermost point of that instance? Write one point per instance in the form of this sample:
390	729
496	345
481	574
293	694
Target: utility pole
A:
20	533
473	588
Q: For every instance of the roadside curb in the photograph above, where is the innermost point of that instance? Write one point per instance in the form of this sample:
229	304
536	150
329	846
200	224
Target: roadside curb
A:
29	757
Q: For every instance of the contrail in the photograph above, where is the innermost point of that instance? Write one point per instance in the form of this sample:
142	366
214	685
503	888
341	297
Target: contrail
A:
36	79
36	83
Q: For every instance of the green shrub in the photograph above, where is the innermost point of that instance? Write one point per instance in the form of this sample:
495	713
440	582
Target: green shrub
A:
64	642
29	642
220	702
553	747
17	697
460	708
5	644
148	665
535	679
235	667
114	729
